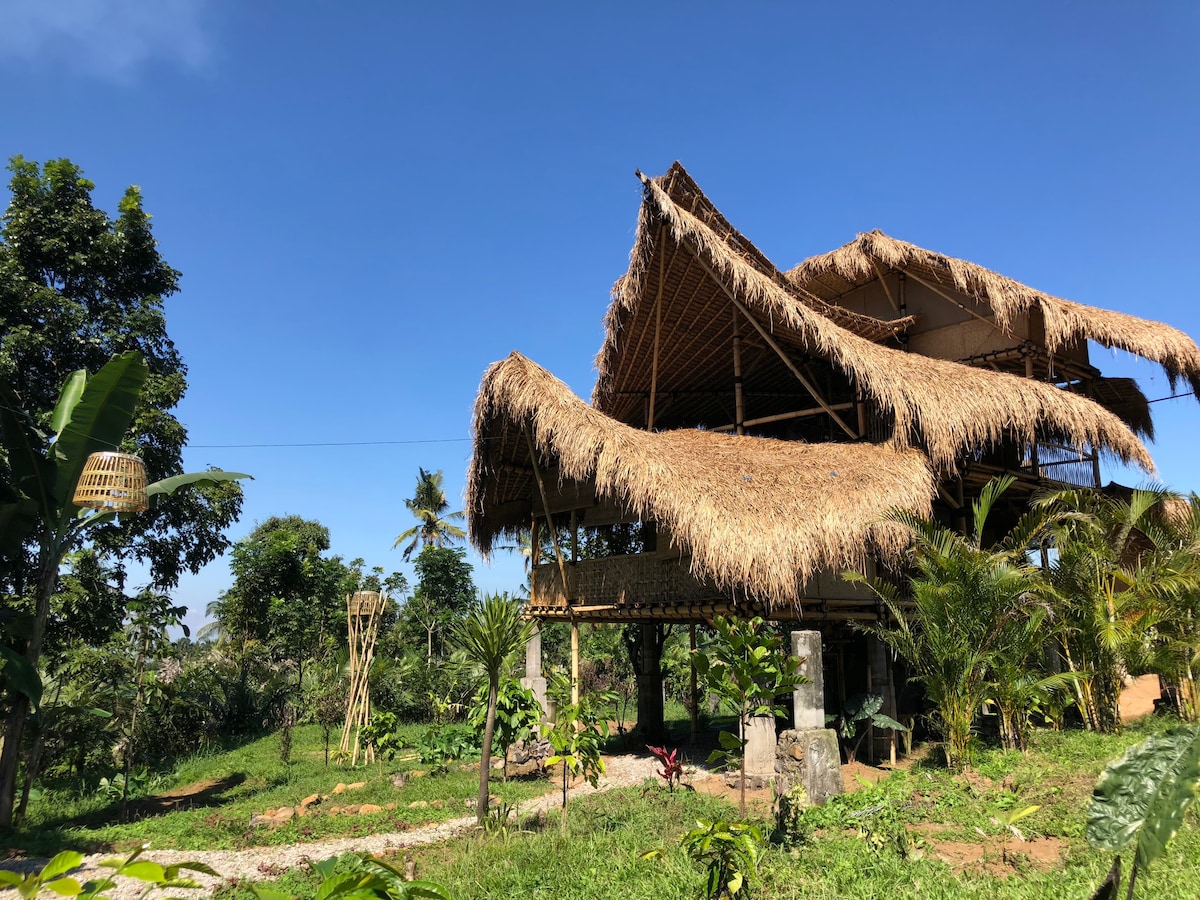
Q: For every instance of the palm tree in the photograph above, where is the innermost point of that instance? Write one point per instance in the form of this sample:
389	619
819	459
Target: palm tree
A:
434	526
972	605
1126	578
491	634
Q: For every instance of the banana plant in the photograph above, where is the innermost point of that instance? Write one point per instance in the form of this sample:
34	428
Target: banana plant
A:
36	507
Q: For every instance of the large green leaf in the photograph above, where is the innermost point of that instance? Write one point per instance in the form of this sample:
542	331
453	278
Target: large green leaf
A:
98	421
1145	793
71	391
20	675
175	482
32	473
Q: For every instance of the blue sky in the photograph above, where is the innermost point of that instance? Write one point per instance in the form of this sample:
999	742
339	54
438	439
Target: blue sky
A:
371	202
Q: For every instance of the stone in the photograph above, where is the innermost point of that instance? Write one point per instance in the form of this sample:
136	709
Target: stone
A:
417	773
310	800
808	700
369	808
351	810
390	806
340	788
283	814
399	780
760	746
334	810
438	804
811	758
356	785
418	804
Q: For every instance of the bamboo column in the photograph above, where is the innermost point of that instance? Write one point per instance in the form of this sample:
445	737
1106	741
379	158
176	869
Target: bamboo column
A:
362	621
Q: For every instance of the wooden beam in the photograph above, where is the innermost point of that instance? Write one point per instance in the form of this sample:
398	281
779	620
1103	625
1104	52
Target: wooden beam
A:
739	406
917	278
781	417
562	565
662	273
774	345
883	284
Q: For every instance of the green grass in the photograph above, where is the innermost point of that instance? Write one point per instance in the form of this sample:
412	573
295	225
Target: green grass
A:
258	781
836	857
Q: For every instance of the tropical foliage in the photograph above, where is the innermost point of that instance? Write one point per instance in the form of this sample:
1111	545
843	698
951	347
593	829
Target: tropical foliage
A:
435	527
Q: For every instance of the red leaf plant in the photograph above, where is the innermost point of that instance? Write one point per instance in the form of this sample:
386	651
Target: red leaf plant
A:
672	768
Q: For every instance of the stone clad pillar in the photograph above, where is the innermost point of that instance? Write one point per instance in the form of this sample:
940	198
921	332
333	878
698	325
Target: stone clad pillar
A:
533	679
808	760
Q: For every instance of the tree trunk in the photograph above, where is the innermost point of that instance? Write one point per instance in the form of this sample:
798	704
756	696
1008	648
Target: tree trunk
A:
14	728
485	757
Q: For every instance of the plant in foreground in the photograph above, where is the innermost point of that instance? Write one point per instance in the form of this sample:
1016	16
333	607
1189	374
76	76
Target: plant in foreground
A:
368	878
53	876
1141	799
672	768
729	852
746	666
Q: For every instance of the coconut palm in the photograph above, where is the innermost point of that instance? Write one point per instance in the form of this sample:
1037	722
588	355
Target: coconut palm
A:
434	526
491	634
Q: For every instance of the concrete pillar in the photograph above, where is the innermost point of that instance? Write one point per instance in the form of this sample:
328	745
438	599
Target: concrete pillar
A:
760	748
533	679
650	685
808	700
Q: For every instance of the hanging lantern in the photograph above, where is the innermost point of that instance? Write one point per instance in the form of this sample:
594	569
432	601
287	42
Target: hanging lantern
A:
364	603
113	481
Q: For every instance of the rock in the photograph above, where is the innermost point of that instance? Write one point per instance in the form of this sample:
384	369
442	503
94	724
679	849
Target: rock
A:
399	780
438	804
522	752
310	800
283	814
301	812
390	807
369	808
417	773
334	810
352	810
340	788
809	757
418	804
356	785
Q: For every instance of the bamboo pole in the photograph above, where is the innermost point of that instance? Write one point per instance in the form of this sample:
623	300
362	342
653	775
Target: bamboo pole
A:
781	417
537	474
917	278
662	269
695	710
574	662
739	414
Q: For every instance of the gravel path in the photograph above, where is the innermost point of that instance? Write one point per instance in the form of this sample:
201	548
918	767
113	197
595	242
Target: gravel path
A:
252	863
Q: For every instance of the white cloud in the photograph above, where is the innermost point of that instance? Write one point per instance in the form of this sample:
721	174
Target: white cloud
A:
112	38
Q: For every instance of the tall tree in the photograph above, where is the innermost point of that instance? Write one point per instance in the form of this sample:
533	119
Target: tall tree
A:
76	288
435	527
444	592
37	509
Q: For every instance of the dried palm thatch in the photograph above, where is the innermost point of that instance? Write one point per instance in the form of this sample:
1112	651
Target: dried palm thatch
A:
757	516
948	408
1066	322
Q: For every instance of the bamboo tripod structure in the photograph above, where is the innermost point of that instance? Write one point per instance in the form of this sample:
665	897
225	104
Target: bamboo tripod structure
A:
362	618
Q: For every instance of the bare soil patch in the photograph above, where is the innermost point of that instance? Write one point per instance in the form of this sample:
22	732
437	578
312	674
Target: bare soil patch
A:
998	856
1137	699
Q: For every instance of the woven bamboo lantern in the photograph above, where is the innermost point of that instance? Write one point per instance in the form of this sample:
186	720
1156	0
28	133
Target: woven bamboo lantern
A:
364	603
112	481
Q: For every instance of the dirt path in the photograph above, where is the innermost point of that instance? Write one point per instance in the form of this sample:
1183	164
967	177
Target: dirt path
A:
257	863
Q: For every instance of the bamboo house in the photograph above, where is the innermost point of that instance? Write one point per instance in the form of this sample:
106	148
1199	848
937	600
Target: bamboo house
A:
754	425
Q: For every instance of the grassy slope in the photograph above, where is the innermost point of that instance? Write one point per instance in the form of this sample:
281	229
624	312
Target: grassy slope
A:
266	784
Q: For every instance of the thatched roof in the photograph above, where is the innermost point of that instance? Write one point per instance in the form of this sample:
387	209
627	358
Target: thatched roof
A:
757	516
947	408
858	262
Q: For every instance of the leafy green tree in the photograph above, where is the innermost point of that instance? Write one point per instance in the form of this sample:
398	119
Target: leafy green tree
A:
517	715
443	595
93	413
492	634
435	527
76	288
747	666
